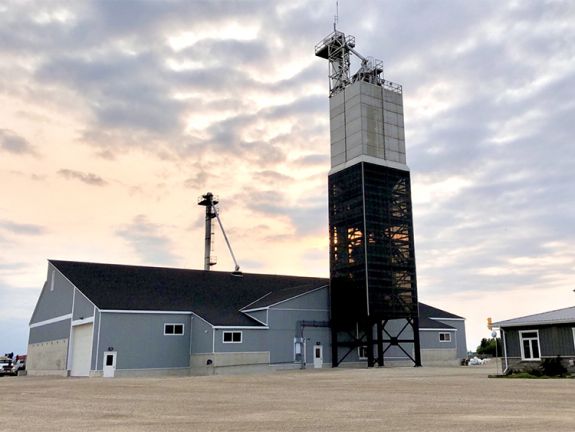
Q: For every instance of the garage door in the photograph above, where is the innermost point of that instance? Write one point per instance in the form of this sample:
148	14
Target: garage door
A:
81	350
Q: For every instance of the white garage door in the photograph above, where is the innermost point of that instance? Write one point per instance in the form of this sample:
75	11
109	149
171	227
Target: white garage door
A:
81	350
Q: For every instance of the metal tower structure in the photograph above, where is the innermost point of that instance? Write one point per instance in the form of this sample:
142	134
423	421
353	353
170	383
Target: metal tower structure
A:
373	288
209	202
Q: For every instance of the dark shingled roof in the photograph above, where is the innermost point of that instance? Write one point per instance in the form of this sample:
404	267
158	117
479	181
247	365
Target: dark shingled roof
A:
284	294
428	323
215	296
431	312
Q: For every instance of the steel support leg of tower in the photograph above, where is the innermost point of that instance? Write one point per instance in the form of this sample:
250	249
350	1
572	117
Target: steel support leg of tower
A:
369	334
416	343
379	343
334	347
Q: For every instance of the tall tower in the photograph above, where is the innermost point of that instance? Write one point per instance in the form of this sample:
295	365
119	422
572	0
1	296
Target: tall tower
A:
373	288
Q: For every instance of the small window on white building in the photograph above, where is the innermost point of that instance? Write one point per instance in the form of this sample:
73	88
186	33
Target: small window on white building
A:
232	337
530	345
173	329
444	337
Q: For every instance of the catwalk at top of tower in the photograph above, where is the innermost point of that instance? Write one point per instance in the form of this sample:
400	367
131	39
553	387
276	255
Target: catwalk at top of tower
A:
366	111
336	47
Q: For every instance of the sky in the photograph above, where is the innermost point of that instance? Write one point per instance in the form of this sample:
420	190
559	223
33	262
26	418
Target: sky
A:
115	116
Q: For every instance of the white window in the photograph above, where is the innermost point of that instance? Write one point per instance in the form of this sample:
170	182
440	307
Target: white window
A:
171	329
362	352
232	337
444	337
530	344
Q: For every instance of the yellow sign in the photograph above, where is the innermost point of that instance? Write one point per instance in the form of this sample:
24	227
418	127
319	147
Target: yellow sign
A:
489	323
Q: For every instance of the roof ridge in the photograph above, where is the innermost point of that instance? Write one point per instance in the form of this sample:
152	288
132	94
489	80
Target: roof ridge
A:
450	314
54	261
256	300
538	313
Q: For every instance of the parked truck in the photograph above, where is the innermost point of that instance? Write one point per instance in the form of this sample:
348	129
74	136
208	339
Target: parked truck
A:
10	365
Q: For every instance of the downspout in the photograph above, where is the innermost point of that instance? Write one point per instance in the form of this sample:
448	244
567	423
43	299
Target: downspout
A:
300	325
504	350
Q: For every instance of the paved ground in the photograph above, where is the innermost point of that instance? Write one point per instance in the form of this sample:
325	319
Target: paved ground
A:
387	399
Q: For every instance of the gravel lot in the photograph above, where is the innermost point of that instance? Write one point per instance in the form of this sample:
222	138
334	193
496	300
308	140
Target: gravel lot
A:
385	399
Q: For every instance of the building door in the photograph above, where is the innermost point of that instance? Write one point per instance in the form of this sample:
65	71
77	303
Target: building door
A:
317	356
81	350
110	364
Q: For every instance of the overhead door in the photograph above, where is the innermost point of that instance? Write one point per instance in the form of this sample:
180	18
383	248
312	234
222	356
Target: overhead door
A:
81	350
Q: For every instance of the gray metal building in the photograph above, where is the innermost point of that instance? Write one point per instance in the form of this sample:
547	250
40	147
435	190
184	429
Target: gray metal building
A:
94	319
530	339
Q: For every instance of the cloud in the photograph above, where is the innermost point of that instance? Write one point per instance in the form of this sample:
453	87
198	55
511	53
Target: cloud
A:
272	177
307	216
22	229
12	266
196	181
148	242
226	51
11	142
88	178
123	91
313	160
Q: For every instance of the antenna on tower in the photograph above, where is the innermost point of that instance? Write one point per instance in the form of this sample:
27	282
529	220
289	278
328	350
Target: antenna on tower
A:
336	16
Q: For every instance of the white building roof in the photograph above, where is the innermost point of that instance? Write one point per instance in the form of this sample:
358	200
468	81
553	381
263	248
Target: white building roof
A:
559	316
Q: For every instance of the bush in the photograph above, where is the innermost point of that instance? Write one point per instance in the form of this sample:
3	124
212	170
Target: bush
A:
487	347
553	367
535	371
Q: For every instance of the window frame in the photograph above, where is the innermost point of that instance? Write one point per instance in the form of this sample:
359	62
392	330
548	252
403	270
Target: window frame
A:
174	333
444	340
530	339
232	332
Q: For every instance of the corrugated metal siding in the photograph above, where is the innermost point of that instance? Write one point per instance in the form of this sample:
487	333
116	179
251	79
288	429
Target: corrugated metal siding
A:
556	340
512	343
553	340
202	336
54	303
430	339
140	341
315	300
49	332
252	341
461	337
282	331
83	308
259	315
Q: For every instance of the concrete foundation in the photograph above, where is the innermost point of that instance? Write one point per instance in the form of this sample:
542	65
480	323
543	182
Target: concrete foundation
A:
47	358
516	364
123	373
206	364
46	372
439	357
